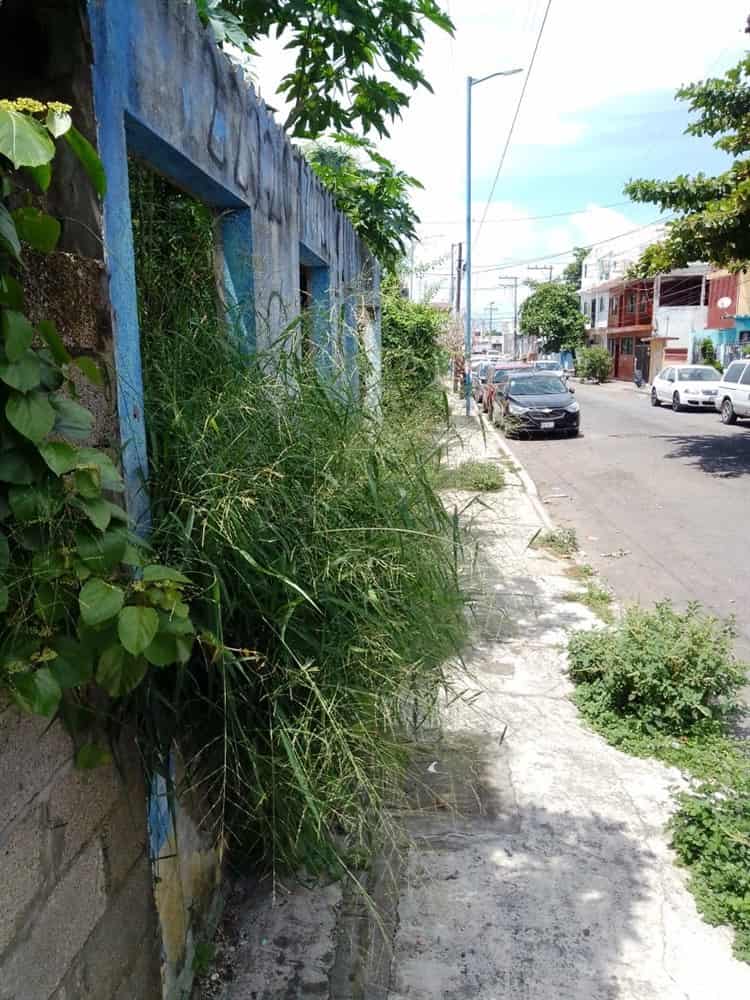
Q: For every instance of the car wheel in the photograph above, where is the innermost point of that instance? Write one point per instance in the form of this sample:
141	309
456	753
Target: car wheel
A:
676	404
573	433
728	416
655	401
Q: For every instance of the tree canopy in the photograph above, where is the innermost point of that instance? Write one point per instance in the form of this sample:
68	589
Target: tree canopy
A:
713	223
572	272
553	312
375	198
356	61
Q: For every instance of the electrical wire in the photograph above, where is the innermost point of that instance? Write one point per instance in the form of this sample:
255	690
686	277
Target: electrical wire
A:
514	119
526	218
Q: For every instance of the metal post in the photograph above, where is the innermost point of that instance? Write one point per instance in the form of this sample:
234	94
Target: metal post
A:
467	332
459	273
450	294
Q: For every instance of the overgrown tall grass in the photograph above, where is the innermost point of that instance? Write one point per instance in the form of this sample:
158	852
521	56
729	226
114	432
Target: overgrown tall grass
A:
327	564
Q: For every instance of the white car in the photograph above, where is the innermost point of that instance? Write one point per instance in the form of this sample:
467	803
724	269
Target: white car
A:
693	387
733	396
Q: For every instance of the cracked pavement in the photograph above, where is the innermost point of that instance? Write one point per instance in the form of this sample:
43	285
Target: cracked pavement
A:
538	866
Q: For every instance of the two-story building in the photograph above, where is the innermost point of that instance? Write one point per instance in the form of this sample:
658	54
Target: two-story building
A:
728	316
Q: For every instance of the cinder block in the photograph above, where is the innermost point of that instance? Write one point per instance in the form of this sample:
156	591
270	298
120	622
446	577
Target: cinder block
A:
30	752
35	967
124	836
22	872
143	982
78	803
127	929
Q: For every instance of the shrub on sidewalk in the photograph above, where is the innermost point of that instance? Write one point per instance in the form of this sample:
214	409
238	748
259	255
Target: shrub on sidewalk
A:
670	671
594	363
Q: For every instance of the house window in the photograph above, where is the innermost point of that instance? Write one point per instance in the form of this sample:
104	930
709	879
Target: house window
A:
630	303
643	305
614	303
627	345
601	303
585	270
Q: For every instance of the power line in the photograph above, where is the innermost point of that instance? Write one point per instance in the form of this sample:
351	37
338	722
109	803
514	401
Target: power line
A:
525	218
515	118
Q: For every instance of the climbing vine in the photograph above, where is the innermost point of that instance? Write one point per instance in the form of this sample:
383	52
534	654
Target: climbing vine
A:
83	607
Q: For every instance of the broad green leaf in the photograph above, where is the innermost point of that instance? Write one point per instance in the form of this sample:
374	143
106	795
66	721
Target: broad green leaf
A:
31	414
59	456
71	419
136	627
58	122
88	482
170	625
156	573
74	664
42	175
15	467
23	140
39	230
109	476
97	510
37	691
11	292
92	755
132	556
4	552
53	340
118	672
99	601
9	241
163	650
17	333
24	374
90	369
119	514
89	159
101	552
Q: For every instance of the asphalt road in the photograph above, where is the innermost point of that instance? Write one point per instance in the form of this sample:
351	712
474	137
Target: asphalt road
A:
660	501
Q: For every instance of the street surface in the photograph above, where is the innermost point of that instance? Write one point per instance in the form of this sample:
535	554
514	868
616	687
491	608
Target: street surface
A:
659	500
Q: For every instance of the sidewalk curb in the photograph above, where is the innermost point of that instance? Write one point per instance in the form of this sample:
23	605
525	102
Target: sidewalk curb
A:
528	483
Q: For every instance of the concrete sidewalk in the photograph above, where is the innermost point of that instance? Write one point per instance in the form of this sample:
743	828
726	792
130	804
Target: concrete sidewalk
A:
537	866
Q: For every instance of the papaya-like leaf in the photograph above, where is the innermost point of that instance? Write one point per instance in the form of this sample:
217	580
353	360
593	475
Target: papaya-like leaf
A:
39	230
88	158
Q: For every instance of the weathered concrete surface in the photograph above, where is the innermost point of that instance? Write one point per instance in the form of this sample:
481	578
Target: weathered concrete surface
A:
538	866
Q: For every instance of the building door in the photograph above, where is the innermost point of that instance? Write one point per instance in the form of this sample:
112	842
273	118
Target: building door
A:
616	357
643	360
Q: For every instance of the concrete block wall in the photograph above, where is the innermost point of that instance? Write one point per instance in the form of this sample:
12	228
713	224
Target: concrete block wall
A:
77	914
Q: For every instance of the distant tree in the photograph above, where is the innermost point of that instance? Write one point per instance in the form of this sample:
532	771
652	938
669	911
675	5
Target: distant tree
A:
356	62
708	354
714	212
573	272
413	338
375	198
553	312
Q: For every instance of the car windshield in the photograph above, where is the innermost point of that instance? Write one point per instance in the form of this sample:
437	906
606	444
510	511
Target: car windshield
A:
502	374
547	366
698	375
536	385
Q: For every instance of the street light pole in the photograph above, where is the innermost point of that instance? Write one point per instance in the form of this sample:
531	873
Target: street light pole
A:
471	82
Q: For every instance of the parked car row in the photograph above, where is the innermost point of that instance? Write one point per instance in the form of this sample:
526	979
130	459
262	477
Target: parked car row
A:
698	387
527	398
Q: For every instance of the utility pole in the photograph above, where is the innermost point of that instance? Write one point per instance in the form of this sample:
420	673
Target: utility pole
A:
450	294
515	279
492	309
471	82
543	267
459	272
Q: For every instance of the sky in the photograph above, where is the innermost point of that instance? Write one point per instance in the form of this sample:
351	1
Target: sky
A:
599	109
